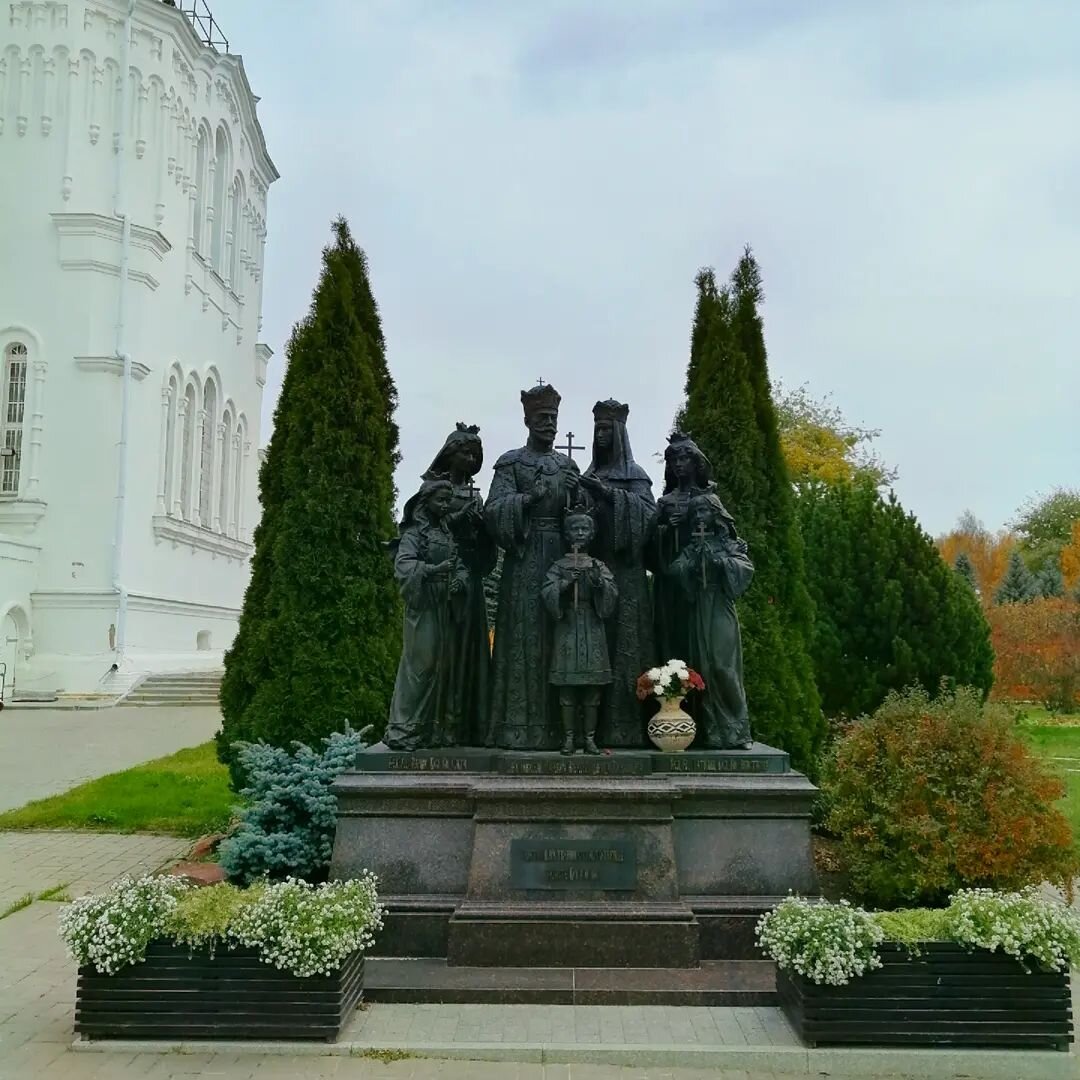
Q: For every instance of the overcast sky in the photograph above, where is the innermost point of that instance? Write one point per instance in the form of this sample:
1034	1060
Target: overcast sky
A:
536	183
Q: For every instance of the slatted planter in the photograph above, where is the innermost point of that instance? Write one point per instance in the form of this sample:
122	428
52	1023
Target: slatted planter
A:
179	994
945	997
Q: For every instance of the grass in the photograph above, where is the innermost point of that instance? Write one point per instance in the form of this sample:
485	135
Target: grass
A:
57	893
185	794
1060	746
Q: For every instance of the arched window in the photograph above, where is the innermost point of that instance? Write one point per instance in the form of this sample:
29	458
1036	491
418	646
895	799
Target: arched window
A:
199	226
12	411
170	443
221	170
206	458
188	451
226	472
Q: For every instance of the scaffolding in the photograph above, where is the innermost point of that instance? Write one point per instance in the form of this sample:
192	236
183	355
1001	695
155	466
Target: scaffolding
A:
207	28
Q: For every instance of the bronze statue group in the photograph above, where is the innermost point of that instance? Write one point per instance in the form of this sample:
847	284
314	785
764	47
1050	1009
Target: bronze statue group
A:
599	582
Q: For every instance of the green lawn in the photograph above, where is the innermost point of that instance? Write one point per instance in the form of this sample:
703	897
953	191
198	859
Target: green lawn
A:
185	794
1061	747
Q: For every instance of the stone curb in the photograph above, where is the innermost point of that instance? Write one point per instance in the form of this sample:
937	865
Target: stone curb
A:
923	1064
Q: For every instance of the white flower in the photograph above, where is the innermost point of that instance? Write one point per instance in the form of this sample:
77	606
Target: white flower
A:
653	674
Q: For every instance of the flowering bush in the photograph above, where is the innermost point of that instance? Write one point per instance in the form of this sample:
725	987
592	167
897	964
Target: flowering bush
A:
1023	924
672	682
112	929
302	928
931	796
827	943
310	929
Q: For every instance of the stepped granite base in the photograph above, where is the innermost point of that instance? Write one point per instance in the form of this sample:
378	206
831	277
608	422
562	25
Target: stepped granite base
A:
632	859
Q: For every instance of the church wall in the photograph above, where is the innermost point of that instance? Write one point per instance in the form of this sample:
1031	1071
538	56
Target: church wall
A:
192	311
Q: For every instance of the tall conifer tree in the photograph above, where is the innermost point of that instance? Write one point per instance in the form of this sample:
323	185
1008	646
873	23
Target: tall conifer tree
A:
320	630
1018	586
730	414
889	611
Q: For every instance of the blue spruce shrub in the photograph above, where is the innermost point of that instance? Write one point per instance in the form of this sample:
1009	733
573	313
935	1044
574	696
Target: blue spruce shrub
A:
287	828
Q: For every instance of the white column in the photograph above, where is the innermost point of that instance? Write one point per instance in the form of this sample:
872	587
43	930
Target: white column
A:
140	123
215	480
241	531
37	425
163	451
195	487
3	92
48	102
234	509
165	163
178	455
97	77
69	126
23	107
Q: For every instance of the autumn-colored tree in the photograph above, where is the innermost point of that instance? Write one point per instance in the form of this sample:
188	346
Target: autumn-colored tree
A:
1070	559
821	446
1037	650
1044	526
989	552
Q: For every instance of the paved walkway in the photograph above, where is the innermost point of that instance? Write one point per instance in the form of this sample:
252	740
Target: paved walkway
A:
46	751
37	989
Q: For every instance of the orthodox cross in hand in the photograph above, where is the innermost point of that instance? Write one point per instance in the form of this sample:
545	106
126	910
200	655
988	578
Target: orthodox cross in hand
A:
473	490
700	534
575	550
569	448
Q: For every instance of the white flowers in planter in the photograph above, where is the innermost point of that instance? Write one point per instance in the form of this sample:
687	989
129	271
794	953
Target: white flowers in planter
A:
301	928
1023	924
111	930
826	943
834	943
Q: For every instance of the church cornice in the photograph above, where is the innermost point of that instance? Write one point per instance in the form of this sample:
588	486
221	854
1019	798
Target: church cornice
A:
178	531
93	242
111	365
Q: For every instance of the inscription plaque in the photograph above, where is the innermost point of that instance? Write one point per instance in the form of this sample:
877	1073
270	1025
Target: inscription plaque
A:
573	864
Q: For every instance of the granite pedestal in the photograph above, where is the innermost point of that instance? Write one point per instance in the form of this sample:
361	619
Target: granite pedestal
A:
631	859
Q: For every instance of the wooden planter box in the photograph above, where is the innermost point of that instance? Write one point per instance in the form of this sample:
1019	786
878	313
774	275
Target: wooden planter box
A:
945	997
180	994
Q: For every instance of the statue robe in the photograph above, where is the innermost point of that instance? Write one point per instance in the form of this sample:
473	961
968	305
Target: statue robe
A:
711	577
580	649
427	678
669	603
624	532
523	706
469	710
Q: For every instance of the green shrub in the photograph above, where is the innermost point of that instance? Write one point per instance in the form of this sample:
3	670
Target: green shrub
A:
931	796
287	828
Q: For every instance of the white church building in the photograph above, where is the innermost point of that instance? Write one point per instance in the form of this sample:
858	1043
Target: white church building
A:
133	189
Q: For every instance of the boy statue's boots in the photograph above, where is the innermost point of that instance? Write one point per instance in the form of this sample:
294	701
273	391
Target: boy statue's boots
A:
591	713
569	719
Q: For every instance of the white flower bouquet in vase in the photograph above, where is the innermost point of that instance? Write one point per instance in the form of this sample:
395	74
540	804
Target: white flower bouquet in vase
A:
671	729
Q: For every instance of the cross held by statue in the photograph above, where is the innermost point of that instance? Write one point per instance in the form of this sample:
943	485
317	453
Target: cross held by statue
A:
570	446
575	550
701	534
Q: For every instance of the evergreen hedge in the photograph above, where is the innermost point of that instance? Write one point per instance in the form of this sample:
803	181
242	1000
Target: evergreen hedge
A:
729	412
320	629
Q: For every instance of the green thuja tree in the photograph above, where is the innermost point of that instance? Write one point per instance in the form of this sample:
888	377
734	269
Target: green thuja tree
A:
320	630
966	569
1018	585
730	414
890	612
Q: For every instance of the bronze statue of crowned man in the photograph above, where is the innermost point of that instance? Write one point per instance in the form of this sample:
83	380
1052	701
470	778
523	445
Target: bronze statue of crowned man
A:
587	558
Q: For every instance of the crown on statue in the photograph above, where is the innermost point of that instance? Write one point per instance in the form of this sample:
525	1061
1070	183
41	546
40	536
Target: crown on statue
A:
611	410
540	398
468	429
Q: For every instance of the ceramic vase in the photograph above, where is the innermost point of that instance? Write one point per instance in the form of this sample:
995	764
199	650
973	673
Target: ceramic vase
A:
671	729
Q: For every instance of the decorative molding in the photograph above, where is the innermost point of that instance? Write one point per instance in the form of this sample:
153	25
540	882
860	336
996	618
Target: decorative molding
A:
184	532
67	599
93	242
39	14
112	365
263	353
21	513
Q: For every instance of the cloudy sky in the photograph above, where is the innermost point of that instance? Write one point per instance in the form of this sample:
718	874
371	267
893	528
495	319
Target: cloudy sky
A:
536	183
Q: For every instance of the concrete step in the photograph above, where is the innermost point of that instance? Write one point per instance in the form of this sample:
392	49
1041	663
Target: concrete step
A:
142	702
